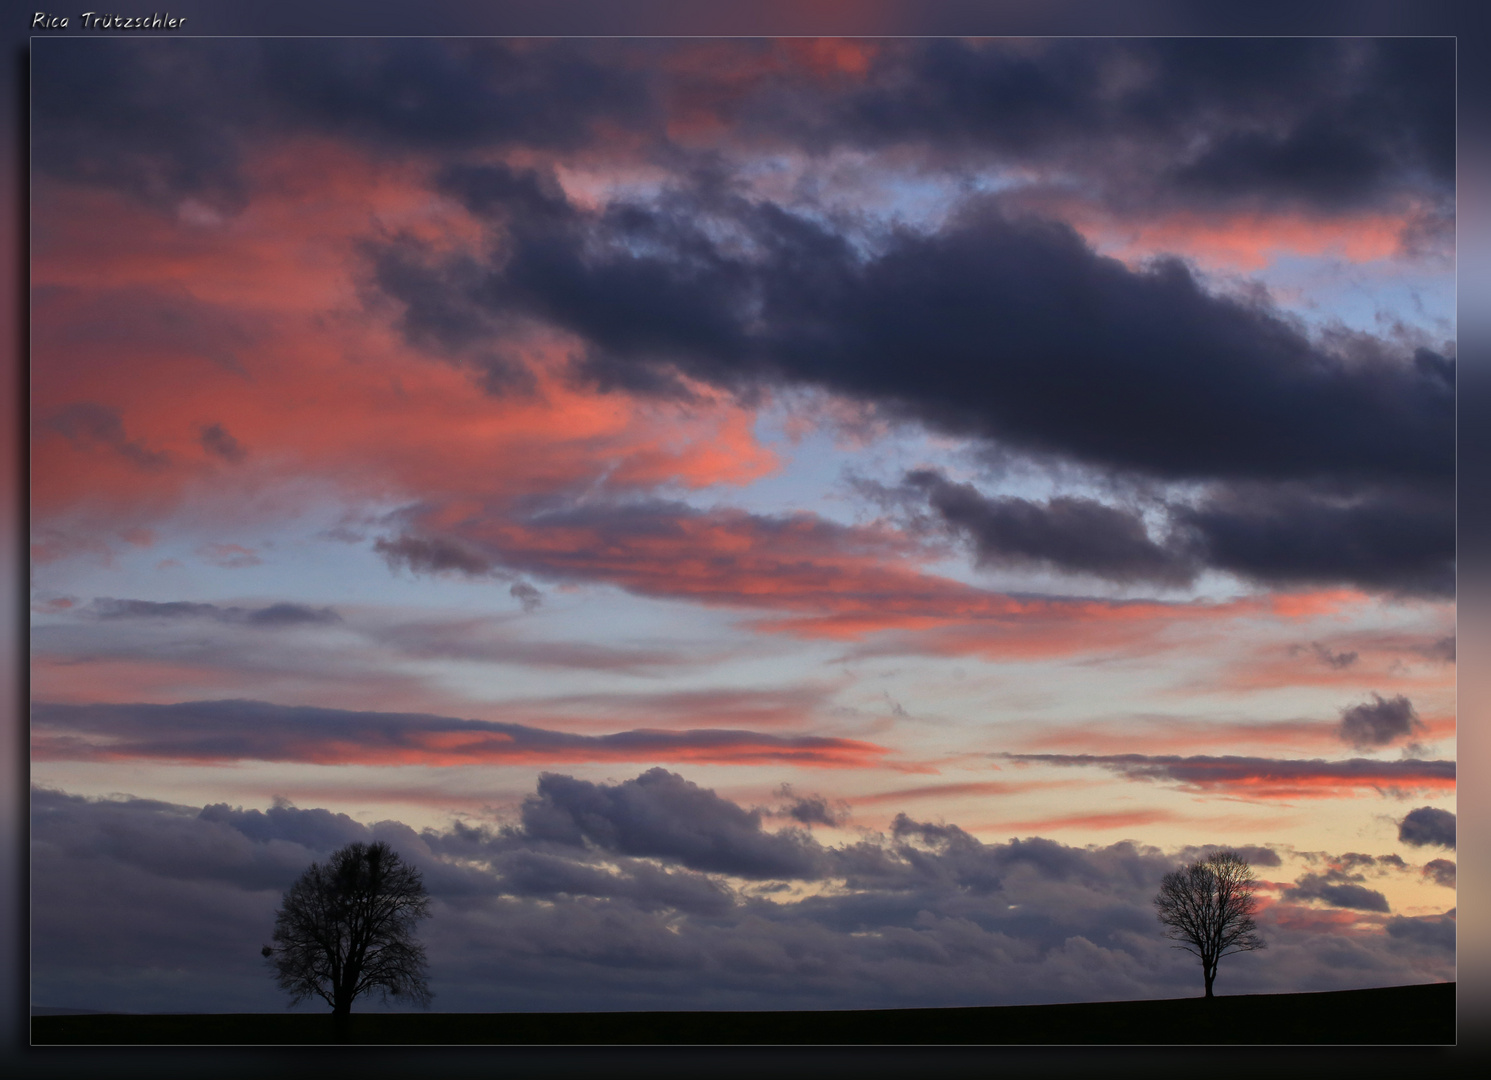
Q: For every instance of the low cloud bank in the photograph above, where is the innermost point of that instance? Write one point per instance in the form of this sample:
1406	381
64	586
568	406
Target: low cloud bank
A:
657	893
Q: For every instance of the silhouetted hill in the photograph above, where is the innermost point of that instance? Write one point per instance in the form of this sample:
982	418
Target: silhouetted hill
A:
1392	1015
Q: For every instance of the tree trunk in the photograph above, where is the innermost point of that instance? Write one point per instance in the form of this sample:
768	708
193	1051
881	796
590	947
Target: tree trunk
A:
341	1020
1210	975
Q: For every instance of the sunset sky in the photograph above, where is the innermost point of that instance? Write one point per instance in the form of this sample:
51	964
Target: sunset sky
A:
760	523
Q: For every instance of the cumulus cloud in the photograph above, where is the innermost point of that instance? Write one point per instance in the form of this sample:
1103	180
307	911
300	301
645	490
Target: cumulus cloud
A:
1252	854
1428	825
1354	860
1075	535
1379	722
1435	932
1337	888
654	892
661	814
1441	872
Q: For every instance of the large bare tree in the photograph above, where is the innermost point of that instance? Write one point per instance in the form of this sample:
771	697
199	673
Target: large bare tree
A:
1208	909
347	927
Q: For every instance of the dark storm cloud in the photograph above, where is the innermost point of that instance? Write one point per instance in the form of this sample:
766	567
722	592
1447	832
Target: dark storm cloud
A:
1071	534
1428	825
1316	160
1379	115
260	731
87	425
962	330
1270	777
1379	722
498	191
1327	124
452	94
146	905
180	116
1338	889
173	120
1441	872
661	814
271	616
1391	538
1320	122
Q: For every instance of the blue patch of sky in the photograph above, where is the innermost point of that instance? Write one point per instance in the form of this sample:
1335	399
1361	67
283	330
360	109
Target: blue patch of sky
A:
1368	297
863	197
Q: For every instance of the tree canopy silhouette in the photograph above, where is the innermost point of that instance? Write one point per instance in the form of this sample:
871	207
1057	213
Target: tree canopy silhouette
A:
347	927
1208	908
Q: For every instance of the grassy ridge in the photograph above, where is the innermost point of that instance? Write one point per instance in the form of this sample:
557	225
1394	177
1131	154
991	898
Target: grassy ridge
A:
1393	1015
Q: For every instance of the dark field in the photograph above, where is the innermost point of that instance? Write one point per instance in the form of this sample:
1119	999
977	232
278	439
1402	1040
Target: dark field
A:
1395	1015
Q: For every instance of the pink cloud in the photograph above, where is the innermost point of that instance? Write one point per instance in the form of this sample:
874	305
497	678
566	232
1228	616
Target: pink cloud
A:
220	732
1267	779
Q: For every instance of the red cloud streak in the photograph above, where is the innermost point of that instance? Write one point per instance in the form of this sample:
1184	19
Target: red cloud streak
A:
227	731
1174	734
1268	778
826	580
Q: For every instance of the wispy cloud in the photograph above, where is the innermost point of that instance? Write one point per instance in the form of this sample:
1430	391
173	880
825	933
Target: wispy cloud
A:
226	731
1266	778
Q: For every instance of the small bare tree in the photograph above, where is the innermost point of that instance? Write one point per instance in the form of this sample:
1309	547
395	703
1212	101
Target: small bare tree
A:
1208	908
347	928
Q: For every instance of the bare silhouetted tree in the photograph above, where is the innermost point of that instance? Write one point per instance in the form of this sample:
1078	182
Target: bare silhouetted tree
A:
347	927
1208	908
